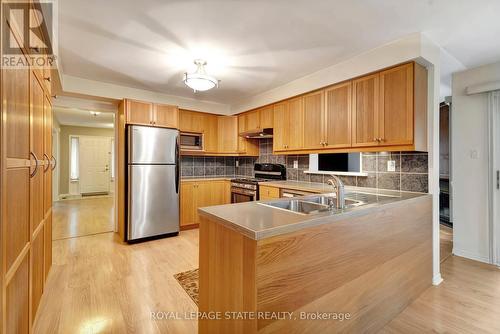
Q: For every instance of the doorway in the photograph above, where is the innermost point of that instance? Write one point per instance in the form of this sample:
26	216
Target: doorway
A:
85	198
445	200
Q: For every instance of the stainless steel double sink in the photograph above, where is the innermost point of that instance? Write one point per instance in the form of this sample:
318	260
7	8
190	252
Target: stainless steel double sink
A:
311	204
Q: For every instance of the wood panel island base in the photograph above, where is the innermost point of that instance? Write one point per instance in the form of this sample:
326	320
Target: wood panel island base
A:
350	271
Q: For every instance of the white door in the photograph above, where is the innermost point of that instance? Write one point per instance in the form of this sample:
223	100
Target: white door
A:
94	164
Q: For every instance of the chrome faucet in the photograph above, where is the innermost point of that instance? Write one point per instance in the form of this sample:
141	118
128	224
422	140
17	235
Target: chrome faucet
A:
339	190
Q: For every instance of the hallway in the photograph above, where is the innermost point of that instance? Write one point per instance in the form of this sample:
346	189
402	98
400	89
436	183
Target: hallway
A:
83	217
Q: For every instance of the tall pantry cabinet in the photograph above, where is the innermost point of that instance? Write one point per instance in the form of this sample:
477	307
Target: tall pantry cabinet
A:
26	190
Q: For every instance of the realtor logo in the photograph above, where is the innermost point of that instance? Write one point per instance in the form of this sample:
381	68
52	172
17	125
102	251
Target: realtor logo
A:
27	34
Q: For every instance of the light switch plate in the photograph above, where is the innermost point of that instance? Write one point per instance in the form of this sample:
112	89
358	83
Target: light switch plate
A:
296	164
391	166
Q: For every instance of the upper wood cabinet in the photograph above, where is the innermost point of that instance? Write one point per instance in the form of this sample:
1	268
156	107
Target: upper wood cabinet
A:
314	120
140	113
191	121
166	116
146	113
289	125
396	106
227	138
337	119
365	114
266	117
257	119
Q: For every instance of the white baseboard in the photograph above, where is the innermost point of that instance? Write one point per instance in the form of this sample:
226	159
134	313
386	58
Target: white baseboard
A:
471	255
437	279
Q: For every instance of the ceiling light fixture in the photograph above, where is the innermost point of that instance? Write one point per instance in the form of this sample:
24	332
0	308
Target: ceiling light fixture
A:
95	113
200	80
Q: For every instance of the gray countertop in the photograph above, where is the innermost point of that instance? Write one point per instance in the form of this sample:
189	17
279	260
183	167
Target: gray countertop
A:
258	221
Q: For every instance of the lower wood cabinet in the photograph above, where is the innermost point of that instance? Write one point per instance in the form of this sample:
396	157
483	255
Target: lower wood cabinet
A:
197	194
266	193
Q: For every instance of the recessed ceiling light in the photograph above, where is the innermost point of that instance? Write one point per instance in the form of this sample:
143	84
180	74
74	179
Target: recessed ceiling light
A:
200	80
95	113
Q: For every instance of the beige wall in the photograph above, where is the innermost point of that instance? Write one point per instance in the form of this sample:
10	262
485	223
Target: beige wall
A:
66	132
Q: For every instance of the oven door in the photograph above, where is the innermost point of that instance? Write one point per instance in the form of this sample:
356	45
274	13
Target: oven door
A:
239	195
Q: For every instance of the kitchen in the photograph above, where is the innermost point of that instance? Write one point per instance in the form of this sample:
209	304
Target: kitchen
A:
281	177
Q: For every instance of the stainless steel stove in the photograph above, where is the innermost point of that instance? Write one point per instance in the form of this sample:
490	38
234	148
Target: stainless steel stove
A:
247	189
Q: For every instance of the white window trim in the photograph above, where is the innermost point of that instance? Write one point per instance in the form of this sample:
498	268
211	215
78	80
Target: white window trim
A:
70	155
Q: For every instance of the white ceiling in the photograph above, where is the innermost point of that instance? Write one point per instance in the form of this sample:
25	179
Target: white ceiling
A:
254	46
82	117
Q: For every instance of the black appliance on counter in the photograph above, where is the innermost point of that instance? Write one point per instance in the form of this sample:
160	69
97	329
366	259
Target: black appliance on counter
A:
247	189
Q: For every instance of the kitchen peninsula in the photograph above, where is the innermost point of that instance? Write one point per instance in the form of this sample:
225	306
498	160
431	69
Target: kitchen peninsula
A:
363	264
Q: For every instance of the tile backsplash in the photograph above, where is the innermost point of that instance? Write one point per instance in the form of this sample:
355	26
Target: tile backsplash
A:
411	173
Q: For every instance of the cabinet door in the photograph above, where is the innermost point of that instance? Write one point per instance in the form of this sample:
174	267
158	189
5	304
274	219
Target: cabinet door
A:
140	113
210	133
17	300
241	128
37	148
266	193
166	116
47	171
295	124
338	116
280	136
266	117
191	121
37	272
396	106
365	115
47	230
253	120
227	137
188	203
314	120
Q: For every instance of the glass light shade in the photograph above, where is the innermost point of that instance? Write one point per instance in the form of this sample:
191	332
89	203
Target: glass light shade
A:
199	82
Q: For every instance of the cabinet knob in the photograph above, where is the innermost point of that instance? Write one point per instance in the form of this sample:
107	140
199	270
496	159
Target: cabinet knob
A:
47	78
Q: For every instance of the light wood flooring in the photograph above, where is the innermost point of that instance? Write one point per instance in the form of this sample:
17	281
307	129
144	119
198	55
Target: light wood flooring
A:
99	285
446	245
79	217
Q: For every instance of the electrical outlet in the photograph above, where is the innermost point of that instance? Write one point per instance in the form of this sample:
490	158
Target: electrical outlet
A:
391	166
296	164
237	163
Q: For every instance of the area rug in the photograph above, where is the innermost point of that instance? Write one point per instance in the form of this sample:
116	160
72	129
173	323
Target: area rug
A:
189	282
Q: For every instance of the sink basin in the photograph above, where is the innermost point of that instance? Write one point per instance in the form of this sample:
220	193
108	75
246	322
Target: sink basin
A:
298	206
326	200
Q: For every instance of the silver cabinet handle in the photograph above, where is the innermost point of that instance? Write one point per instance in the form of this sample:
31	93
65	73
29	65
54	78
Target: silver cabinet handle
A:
48	162
36	164
55	163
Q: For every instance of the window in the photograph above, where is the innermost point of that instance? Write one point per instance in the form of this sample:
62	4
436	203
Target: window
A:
74	173
112	159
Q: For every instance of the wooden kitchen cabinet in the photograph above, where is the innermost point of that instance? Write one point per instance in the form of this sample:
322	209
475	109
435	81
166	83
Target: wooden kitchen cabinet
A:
166	116
139	113
266	117
337	118
146	113
396	106
191	121
266	193
314	120
197	194
252	120
227	134
289	125
365	113
26	197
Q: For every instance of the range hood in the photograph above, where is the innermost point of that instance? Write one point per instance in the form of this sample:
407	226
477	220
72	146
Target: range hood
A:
258	134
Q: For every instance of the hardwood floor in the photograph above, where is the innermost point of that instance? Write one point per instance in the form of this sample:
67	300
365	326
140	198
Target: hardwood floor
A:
79	217
99	285
468	301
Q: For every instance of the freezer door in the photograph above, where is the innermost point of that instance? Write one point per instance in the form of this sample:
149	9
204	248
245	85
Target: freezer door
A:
148	145
153	205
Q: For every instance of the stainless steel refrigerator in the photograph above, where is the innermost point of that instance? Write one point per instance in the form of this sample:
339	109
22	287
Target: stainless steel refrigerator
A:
152	182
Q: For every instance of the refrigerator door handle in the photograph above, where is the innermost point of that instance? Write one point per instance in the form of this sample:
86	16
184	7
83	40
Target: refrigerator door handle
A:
177	167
